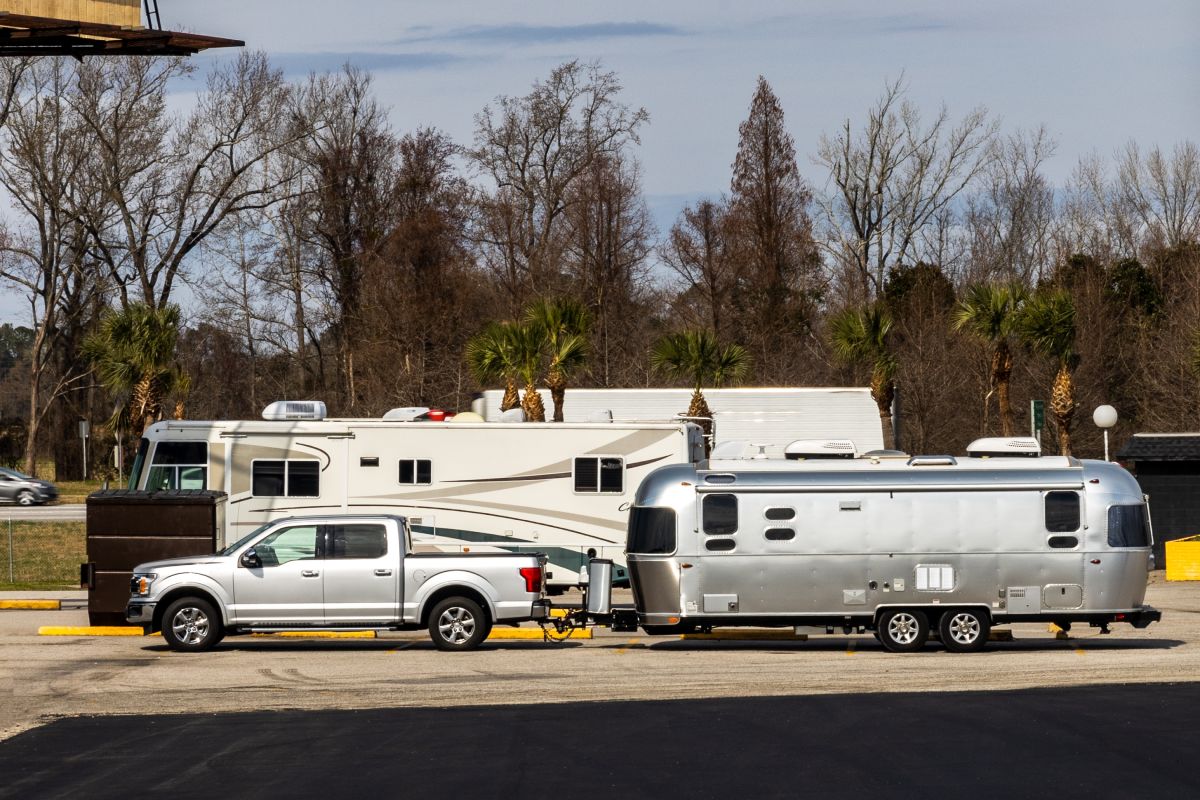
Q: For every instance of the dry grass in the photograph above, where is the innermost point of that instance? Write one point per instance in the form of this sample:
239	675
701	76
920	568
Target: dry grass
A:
77	491
45	555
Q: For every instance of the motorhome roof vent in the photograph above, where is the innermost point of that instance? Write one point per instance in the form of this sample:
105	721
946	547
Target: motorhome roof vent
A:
407	414
820	448
294	409
733	448
513	415
601	415
1006	446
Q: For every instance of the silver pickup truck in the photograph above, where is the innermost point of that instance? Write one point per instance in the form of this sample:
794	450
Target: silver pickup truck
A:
335	573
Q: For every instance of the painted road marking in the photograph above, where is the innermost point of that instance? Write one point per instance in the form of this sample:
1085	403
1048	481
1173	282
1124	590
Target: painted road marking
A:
31	605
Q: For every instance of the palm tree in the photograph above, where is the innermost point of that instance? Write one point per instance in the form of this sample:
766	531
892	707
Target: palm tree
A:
860	336
696	356
528	345
133	353
989	313
1047	326
491	357
563	325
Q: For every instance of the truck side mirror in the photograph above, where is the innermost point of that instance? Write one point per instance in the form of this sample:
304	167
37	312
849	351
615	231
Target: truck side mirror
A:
250	559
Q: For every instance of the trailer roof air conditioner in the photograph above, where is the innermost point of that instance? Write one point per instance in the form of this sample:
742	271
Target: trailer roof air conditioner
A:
282	410
407	414
1005	446
820	448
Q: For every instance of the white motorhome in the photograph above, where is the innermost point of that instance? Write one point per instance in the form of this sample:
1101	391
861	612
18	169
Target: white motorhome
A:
561	489
771	417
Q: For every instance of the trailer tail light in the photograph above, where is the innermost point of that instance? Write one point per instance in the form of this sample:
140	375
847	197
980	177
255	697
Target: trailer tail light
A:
533	579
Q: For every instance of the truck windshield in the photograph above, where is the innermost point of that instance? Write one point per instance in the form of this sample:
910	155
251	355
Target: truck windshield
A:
651	531
233	548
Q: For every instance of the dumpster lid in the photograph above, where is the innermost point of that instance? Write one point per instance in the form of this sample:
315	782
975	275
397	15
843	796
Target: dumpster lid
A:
181	497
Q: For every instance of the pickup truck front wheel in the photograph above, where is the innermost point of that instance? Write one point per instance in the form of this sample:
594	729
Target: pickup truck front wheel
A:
458	623
191	624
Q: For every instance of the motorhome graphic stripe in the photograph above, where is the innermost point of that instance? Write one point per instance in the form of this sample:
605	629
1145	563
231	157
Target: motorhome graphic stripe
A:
549	475
328	459
485	514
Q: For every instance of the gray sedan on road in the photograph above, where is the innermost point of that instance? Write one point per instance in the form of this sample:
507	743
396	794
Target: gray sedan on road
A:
25	490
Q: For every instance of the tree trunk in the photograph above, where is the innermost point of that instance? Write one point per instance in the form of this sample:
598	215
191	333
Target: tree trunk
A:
531	403
512	397
1062	405
701	414
558	391
1002	365
883	390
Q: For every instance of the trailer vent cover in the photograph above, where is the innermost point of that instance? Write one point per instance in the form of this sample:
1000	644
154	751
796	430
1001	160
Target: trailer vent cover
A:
1005	447
820	448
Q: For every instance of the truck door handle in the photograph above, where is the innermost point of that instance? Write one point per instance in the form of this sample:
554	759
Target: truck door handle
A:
309	573
383	573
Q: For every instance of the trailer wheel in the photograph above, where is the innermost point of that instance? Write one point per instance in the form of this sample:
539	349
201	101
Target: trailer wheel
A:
903	630
191	625
458	623
964	630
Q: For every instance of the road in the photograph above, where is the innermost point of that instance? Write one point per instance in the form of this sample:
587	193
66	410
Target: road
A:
51	513
1079	742
44	677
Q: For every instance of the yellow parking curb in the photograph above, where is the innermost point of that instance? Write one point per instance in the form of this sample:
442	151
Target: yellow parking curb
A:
533	633
730	636
88	630
31	605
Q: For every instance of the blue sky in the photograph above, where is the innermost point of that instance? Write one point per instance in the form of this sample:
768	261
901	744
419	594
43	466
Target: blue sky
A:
1095	73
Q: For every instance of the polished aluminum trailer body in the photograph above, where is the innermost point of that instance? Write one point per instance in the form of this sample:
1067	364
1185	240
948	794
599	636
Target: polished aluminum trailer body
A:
839	543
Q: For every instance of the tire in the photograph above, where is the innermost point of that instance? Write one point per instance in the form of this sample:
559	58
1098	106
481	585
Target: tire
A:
903	630
459	624
964	630
26	498
191	625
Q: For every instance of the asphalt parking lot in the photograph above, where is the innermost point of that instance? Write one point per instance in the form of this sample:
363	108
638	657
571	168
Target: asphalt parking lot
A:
45	677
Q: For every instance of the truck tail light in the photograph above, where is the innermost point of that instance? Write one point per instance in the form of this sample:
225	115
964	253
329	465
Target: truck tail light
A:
533	578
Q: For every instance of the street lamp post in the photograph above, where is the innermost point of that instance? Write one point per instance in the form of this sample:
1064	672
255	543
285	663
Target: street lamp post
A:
1105	417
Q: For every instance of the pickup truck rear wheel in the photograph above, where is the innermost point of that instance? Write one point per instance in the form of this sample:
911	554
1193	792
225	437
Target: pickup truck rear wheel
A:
191	624
458	623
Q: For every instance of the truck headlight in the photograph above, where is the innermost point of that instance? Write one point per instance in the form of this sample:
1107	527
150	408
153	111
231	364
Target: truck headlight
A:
140	585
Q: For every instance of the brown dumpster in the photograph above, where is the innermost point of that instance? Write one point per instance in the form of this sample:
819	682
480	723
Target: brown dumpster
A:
126	528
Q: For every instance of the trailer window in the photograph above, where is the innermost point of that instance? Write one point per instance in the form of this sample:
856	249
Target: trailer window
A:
602	474
285	478
651	531
780	513
720	514
780	534
178	465
720	545
416	471
357	541
1062	512
1128	526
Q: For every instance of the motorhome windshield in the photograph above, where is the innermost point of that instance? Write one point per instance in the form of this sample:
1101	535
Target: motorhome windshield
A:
135	472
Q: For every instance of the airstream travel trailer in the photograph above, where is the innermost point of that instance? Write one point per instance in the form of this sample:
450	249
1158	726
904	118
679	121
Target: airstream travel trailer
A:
764	415
561	489
898	545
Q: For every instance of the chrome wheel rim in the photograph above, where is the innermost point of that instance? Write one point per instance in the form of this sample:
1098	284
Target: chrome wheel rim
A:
456	625
25	498
964	628
190	625
903	628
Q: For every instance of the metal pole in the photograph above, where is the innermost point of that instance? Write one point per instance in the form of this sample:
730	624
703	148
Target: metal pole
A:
1106	444
10	551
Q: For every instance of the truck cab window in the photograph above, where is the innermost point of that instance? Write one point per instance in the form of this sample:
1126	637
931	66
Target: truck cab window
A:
288	544
290	478
1128	526
357	541
178	465
1062	512
720	514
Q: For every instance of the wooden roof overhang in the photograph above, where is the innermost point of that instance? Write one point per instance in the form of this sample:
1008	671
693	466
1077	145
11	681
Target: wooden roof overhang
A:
22	35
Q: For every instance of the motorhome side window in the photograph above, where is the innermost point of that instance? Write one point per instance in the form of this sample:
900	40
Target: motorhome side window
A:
1128	526
603	474
1062	512
720	514
416	471
290	478
178	465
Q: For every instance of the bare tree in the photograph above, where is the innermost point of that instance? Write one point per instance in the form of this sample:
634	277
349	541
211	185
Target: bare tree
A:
532	149
891	179
1162	192
696	249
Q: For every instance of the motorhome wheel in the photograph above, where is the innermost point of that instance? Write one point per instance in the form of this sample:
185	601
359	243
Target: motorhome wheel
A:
964	630
903	630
